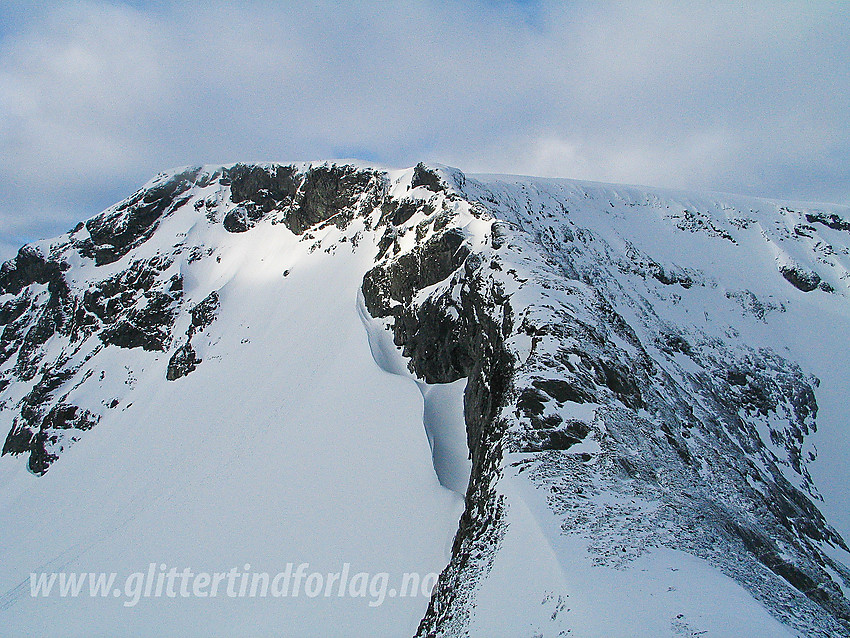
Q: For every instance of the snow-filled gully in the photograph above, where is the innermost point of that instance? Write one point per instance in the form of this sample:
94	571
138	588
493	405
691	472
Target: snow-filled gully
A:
442	411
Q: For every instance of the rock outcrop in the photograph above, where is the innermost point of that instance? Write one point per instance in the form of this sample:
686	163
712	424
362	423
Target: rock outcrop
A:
594	366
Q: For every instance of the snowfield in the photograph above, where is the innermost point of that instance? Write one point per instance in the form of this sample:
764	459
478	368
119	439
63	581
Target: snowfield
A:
595	410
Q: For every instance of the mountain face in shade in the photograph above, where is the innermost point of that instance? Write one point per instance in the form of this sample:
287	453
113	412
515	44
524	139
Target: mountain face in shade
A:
592	409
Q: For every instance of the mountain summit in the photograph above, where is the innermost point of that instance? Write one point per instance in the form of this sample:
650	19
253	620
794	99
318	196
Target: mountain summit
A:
592	409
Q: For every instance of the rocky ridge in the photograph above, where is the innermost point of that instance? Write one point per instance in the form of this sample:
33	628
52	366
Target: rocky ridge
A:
594	367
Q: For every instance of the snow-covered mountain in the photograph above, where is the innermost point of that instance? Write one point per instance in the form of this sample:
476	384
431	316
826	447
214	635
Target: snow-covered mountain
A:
594	410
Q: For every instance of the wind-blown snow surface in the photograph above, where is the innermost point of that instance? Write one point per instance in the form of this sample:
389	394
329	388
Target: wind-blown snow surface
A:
287	444
710	270
296	431
732	248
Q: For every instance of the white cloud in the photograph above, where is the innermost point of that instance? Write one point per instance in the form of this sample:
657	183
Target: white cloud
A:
96	97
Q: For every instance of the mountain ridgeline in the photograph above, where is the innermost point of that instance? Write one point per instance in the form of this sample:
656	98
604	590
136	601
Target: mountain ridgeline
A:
634	358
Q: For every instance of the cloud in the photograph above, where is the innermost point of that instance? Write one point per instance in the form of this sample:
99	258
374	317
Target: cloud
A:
97	97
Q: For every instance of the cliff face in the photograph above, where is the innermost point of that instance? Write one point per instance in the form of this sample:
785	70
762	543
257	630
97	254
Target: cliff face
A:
638	382
579	378
58	316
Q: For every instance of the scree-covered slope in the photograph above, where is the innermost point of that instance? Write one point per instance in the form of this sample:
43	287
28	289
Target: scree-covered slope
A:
594	410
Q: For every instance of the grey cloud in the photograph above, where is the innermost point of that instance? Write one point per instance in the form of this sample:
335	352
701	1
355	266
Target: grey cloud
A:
97	97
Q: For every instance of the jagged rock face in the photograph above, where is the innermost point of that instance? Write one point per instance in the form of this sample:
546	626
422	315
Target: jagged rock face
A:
318	195
136	305
185	359
422	176
800	279
584	352
182	362
113	235
593	365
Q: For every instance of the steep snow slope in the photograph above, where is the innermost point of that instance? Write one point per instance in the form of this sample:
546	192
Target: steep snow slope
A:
270	364
656	339
724	252
286	444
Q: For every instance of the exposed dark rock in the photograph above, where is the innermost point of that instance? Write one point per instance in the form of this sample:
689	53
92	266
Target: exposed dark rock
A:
441	342
114	233
182	362
19	439
736	376
620	381
40	459
561	391
14	331
423	176
14	308
831	220
532	402
204	313
427	264
28	267
241	220
268	188
64	416
258	190
398	212
328	192
805	280
148	327
320	194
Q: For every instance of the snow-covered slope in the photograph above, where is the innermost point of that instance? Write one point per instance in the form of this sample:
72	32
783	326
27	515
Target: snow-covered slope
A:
596	410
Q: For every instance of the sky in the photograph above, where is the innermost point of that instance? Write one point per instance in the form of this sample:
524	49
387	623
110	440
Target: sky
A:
97	97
